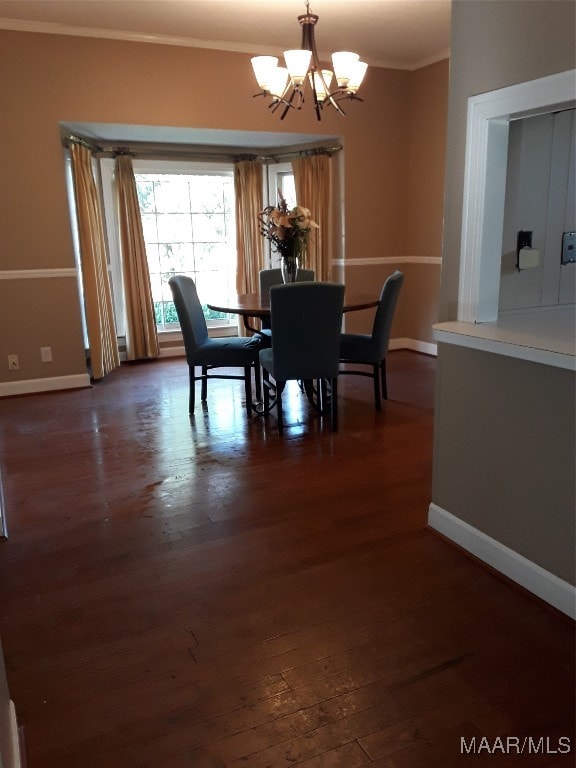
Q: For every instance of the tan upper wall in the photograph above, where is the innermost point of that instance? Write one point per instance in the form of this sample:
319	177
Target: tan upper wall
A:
48	78
426	160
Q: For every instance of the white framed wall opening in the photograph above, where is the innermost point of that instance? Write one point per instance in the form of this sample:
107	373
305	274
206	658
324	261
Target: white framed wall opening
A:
489	116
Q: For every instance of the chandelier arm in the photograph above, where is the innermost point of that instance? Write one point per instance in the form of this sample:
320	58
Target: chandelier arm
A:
341	95
317	103
332	100
289	104
308	22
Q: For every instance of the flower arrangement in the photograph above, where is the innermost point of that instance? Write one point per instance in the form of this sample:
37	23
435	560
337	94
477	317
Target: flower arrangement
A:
287	229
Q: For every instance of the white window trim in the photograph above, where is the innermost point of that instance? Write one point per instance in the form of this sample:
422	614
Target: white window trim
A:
113	236
271	198
489	115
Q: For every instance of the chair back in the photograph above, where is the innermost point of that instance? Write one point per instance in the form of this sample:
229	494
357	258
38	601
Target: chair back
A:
385	311
189	311
270	277
306	327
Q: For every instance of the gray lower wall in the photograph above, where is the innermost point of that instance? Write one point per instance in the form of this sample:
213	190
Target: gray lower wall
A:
504	457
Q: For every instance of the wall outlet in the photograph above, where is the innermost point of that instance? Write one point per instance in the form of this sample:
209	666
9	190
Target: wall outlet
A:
13	364
46	354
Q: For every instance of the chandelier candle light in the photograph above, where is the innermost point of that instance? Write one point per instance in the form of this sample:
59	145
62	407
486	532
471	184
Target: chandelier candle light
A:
286	84
288	230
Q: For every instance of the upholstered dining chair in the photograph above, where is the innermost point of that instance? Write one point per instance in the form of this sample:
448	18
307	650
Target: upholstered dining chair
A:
270	277
307	322
370	349
207	353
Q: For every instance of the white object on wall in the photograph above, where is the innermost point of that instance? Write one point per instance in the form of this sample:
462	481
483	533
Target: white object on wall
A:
528	258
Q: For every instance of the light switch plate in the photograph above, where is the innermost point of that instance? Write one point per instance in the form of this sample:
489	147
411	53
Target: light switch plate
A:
568	248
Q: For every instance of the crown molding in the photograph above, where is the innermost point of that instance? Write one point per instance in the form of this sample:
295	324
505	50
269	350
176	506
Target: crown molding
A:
48	28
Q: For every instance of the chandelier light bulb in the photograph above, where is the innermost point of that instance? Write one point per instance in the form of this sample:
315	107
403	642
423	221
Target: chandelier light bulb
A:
356	77
264	67
321	83
344	62
278	83
297	63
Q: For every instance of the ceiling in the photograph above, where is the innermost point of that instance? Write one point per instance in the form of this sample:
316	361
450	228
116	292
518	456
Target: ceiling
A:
401	34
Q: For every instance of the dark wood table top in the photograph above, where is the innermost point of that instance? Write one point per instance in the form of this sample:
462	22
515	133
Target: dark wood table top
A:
255	305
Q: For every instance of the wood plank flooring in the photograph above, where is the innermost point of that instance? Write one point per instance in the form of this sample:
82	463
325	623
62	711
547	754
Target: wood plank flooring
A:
200	593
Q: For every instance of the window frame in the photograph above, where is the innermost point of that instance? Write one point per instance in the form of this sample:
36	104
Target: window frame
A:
155	166
273	180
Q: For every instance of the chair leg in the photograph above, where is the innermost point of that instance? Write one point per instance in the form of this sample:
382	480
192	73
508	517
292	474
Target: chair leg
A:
248	388
320	395
376	377
204	394
384	379
266	387
279	388
334	403
258	380
192	394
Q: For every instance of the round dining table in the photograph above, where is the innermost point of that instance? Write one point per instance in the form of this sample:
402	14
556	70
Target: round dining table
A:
256	305
249	305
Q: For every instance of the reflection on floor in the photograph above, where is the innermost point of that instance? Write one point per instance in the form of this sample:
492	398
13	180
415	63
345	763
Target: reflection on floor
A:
199	593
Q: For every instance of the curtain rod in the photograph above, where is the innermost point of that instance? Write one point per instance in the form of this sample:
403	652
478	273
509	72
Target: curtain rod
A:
71	139
302	153
167	152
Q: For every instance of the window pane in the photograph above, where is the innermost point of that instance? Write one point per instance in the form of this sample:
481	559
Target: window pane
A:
174	227
156	285
188	222
288	188
176	258
172	196
149	227
209	227
208	193
146	196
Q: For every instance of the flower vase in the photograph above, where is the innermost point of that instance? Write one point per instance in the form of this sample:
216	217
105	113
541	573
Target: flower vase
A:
290	266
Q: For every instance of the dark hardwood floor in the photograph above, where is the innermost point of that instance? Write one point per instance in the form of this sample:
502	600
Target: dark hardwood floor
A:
200	593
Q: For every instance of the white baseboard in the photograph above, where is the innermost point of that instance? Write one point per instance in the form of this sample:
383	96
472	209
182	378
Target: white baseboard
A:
529	575
425	347
13	739
172	351
32	386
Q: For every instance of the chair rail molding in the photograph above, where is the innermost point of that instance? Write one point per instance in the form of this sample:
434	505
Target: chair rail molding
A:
379	260
489	116
27	274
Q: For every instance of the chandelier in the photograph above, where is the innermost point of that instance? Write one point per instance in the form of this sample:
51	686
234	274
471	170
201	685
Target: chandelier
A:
285	85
